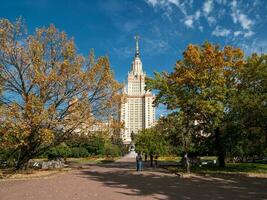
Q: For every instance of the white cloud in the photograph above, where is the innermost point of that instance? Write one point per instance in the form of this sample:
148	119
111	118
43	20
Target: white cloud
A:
254	46
239	17
211	20
168	3
220	31
189	22
245	22
153	2
214	12
208	7
245	34
190	19
248	34
197	15
154	46
237	33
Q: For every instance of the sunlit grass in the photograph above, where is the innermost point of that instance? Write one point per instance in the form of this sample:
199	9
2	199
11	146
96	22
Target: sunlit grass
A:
170	158
230	168
97	159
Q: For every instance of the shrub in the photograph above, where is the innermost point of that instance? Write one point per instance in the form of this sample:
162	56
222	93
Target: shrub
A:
95	146
112	150
79	152
60	151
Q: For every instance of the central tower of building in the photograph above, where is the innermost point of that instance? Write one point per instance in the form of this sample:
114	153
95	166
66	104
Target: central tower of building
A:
137	111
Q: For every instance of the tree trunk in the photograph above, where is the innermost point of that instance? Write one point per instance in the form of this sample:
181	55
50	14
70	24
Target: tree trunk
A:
151	160
24	156
22	163
187	163
219	146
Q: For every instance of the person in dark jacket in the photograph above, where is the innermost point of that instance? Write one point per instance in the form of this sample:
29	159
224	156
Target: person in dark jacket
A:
139	162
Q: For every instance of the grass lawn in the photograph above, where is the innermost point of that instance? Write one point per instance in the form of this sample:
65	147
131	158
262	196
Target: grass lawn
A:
241	167
178	158
90	160
231	168
169	158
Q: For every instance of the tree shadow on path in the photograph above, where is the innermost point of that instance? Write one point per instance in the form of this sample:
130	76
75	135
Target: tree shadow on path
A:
160	185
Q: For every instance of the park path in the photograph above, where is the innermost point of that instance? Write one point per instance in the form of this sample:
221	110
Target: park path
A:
119	181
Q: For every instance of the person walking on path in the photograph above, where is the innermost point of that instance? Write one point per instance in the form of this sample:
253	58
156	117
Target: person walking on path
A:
139	162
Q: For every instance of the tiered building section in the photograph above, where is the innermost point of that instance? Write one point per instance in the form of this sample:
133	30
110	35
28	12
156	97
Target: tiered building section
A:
137	111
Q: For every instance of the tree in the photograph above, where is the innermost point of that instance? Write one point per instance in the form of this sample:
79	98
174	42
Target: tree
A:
246	125
48	90
200	86
179	132
150	142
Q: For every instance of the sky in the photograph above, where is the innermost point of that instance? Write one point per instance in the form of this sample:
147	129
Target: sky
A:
165	27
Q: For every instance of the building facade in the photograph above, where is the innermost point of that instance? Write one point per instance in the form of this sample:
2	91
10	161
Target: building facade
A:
137	111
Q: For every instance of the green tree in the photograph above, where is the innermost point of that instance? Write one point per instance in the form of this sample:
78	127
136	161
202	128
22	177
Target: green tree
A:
179	132
246	126
199	87
151	142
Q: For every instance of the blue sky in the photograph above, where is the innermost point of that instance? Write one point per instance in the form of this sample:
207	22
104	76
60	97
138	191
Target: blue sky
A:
165	27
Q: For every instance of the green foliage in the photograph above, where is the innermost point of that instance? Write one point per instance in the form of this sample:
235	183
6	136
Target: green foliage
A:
245	128
79	152
199	87
221	91
178	131
151	142
60	151
95	146
99	145
112	150
230	168
117	141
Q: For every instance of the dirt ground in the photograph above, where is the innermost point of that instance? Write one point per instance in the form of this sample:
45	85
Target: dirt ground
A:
119	181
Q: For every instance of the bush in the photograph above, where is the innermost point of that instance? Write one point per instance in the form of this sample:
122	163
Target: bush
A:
60	151
95	146
79	152
112	150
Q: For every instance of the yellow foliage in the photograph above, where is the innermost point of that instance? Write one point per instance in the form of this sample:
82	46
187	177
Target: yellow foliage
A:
42	74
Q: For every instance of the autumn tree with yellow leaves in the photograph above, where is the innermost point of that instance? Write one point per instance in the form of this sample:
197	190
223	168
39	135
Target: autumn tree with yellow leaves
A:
200	87
48	89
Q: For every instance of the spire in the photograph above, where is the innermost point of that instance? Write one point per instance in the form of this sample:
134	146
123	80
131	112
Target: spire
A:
136	45
137	63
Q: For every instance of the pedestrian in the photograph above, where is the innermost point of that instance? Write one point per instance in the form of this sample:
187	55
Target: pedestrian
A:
139	162
145	157
156	160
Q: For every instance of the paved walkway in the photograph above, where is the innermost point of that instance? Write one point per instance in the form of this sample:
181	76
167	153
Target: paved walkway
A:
119	181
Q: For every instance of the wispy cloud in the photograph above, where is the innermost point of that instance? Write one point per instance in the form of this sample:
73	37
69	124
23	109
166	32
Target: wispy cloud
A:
233	22
154	46
237	33
239	17
190	19
169	4
214	11
208	7
221	32
148	45
255	46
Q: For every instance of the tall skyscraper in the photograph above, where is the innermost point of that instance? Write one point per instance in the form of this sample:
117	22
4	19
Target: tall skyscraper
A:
137	111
